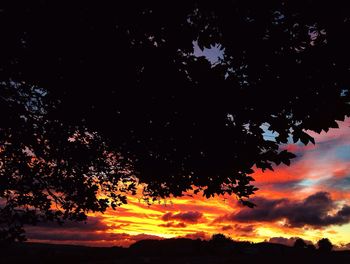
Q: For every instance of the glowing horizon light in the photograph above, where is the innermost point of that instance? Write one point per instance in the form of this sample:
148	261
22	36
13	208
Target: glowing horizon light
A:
316	170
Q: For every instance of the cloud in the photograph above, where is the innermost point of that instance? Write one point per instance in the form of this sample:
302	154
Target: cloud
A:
316	211
294	185
119	226
93	232
191	217
55	235
244	229
239	230
226	228
338	183
88	238
198	235
172	224
92	224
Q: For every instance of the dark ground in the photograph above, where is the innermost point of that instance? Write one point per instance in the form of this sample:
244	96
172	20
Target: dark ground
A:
169	251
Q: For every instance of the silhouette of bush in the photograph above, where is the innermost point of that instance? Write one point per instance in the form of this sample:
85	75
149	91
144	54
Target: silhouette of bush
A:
311	247
220	238
325	245
300	244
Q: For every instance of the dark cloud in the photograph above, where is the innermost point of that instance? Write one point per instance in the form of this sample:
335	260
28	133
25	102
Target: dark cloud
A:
55	235
72	236
316	211
191	217
259	213
239	230
244	229
293	185
338	183
172	224
340	180
226	228
94	230
92	224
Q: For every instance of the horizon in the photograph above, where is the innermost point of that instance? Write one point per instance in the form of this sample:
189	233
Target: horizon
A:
322	169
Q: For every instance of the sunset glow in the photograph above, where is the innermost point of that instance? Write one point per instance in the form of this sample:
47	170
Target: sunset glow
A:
291	202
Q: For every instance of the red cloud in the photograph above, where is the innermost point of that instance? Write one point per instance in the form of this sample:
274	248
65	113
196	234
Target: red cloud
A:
191	217
172	224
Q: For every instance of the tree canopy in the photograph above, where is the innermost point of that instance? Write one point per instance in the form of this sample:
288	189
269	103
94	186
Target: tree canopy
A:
325	245
97	98
300	244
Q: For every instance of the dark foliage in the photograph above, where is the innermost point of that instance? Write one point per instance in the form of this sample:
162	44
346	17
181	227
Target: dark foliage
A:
311	247
325	245
168	251
300	244
220	239
96	98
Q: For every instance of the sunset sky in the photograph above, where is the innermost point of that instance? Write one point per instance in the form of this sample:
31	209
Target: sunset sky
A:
310	199
149	99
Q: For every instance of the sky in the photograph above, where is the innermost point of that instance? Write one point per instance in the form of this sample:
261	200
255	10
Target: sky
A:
309	199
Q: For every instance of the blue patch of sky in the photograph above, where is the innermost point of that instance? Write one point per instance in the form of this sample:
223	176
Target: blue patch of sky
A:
309	182
344	92
268	134
343	152
213	55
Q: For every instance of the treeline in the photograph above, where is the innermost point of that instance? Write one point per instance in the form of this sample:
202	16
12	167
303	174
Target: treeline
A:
219	244
219	249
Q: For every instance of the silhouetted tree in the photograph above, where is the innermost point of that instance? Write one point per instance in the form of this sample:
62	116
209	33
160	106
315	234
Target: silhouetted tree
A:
97	98
219	243
325	245
299	244
220	238
311	247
